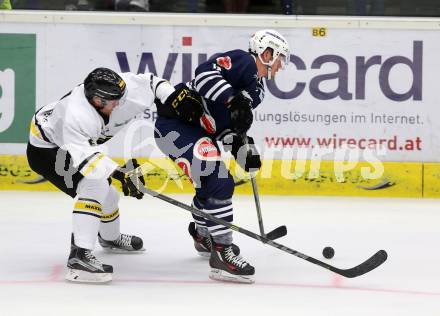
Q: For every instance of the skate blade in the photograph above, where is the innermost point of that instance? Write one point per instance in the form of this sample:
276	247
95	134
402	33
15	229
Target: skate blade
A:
221	275
122	251
79	276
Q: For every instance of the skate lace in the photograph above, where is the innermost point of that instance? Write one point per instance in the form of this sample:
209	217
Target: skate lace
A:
124	240
92	259
208	243
236	260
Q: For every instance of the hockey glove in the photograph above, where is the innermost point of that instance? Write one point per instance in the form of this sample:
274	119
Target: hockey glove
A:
240	108
246	156
186	104
131	178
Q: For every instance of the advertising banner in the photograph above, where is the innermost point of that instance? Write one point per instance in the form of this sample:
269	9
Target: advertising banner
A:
17	86
347	94
399	179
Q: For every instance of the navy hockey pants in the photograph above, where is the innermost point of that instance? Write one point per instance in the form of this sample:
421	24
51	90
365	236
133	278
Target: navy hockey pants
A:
198	155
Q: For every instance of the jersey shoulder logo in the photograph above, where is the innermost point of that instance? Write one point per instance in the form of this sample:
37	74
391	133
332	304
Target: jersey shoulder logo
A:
224	62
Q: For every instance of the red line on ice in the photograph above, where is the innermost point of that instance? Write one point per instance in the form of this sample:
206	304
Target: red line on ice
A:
333	286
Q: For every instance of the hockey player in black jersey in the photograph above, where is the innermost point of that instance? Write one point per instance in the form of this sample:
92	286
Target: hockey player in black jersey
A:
231	86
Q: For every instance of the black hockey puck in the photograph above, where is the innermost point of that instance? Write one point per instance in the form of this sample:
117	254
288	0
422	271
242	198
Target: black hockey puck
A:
328	252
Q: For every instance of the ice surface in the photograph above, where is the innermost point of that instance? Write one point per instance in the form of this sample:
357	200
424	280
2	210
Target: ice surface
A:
170	279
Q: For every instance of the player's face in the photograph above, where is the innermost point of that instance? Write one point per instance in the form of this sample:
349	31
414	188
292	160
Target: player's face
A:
106	107
280	63
109	107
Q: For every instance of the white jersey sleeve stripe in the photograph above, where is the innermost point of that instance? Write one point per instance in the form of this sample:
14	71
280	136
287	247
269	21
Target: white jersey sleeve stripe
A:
202	83
202	75
214	88
220	91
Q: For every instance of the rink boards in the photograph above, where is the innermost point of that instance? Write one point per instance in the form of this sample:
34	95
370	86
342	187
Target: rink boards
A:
357	89
277	177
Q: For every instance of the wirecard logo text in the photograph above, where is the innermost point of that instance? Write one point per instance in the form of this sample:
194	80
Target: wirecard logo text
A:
377	68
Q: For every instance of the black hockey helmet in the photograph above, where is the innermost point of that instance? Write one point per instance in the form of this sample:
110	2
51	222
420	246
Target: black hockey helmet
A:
104	83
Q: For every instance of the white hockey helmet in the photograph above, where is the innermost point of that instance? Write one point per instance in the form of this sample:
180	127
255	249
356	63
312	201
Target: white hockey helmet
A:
264	39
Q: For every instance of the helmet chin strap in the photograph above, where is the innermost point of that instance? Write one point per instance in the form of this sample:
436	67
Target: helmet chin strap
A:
269	67
269	72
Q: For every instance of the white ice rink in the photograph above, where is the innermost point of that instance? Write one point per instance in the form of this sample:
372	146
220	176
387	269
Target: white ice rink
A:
170	279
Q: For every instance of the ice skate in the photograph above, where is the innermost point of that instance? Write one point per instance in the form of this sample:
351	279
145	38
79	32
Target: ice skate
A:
203	244
83	267
123	244
229	267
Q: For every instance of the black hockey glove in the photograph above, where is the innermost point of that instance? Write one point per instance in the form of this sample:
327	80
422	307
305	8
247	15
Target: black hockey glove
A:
246	156
131	178
240	108
187	104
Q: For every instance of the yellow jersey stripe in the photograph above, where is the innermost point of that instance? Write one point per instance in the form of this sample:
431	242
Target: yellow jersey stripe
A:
35	131
92	164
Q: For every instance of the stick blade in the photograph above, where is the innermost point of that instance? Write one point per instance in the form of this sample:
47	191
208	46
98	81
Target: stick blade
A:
370	264
277	233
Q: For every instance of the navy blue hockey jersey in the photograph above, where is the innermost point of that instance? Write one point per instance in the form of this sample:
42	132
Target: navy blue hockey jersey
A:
224	76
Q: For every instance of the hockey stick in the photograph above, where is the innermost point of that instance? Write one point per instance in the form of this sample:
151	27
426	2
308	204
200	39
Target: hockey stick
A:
277	232
373	262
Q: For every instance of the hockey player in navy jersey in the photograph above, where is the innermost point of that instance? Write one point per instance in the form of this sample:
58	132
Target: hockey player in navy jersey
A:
62	148
231	85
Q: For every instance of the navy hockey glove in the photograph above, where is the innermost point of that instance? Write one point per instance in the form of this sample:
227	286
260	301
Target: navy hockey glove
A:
247	157
131	178
187	104
240	108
